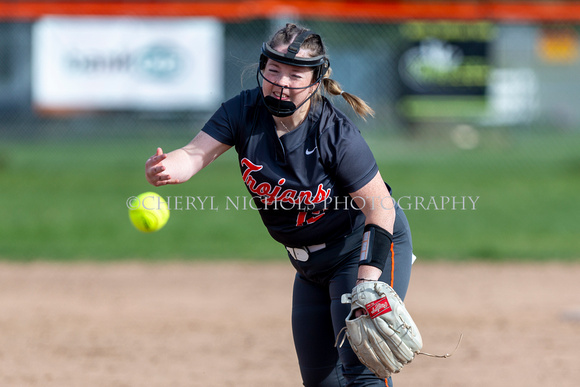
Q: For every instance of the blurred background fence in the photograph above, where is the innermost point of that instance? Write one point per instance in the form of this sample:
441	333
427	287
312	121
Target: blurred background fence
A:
470	97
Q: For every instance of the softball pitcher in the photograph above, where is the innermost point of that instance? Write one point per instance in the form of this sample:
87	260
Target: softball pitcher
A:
318	190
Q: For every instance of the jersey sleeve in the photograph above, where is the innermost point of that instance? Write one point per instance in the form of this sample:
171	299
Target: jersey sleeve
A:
224	124
349	158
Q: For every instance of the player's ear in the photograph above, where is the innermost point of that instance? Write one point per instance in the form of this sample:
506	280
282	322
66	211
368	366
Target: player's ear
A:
313	87
315	78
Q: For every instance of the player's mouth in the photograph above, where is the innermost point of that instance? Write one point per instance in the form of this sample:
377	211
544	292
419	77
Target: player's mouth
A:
282	97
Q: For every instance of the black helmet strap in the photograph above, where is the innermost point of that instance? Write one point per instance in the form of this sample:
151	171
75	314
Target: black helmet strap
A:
294	47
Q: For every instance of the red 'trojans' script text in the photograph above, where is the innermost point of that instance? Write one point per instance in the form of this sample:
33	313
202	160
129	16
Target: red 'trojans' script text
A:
270	194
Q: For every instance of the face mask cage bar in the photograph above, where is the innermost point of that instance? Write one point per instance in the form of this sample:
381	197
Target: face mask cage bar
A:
278	107
260	74
320	65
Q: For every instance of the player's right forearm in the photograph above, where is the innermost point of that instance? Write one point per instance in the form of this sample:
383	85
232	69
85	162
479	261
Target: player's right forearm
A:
181	164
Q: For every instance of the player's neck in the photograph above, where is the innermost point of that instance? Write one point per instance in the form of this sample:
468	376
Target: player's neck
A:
288	124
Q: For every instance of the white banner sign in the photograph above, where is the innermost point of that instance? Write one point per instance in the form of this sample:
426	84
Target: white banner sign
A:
126	63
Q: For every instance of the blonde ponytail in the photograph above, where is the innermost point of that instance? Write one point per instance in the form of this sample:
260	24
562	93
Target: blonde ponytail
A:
358	104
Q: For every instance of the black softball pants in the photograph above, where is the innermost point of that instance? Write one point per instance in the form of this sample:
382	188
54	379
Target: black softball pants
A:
318	314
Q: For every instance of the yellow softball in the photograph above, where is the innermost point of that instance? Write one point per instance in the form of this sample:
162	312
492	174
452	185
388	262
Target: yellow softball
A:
148	211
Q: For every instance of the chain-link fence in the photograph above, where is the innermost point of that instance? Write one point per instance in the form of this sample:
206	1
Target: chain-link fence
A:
411	73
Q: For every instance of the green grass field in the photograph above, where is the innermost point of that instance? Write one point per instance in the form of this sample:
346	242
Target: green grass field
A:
67	200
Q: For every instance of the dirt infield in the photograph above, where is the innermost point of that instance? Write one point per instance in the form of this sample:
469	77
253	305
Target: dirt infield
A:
185	324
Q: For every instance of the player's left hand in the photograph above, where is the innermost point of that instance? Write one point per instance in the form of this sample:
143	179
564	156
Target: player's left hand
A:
384	336
366	273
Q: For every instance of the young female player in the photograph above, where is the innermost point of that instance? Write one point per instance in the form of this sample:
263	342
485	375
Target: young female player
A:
318	190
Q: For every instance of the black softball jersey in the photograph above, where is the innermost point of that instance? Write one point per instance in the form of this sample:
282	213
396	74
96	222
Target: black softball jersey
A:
300	182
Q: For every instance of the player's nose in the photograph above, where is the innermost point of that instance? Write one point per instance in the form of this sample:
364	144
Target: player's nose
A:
283	80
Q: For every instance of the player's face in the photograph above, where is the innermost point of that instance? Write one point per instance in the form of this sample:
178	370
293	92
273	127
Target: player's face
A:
283	80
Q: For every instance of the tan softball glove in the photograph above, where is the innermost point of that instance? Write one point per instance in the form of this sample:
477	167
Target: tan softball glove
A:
385	338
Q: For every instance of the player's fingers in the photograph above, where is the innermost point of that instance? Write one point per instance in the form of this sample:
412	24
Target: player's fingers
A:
163	177
153	160
165	180
157	169
154	174
156	158
159	155
152	170
158	180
